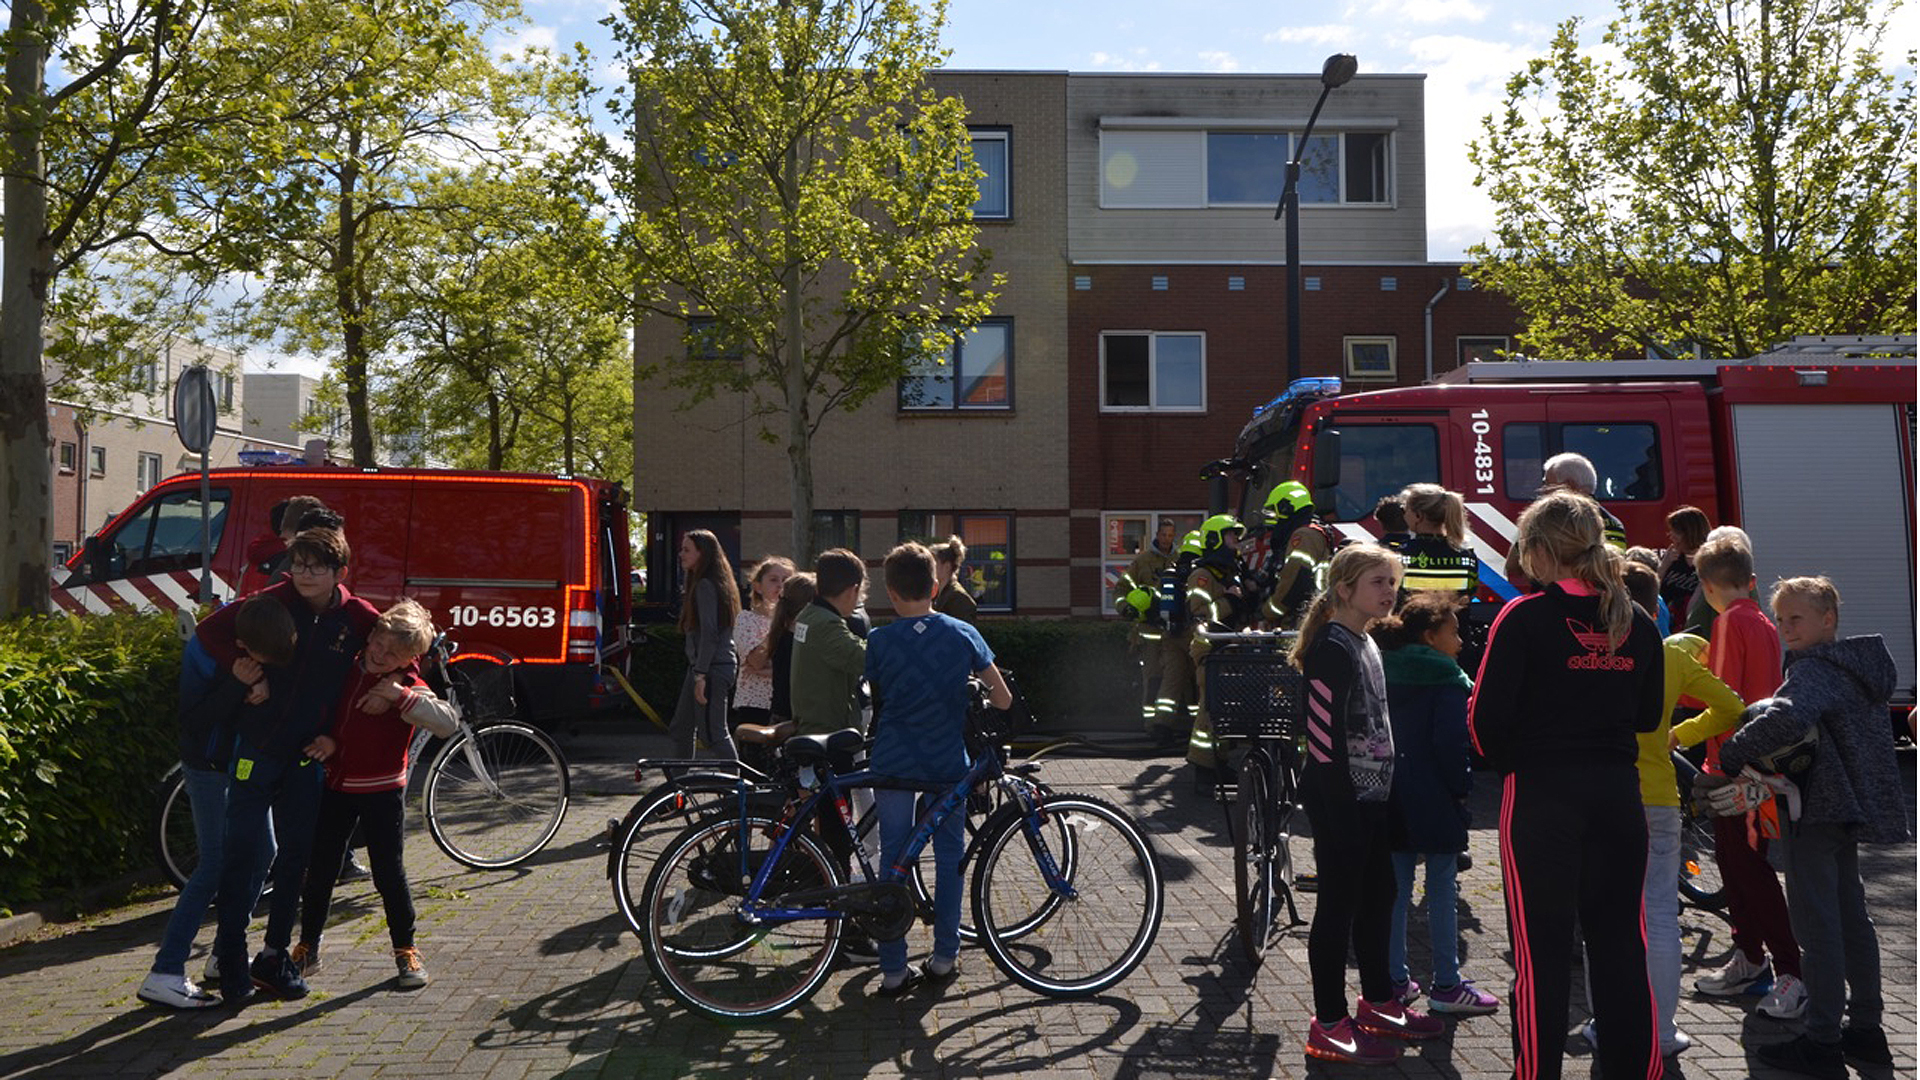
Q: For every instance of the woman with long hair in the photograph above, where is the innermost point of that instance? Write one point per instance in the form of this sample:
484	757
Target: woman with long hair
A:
1436	556
1346	778
1571	675
708	607
753	698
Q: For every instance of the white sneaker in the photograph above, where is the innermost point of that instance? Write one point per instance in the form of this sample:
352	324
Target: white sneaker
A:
1680	1044
1787	1000
1587	1033
1736	977
175	991
212	972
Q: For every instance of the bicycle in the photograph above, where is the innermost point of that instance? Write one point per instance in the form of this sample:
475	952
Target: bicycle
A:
743	914
1255	696
1700	883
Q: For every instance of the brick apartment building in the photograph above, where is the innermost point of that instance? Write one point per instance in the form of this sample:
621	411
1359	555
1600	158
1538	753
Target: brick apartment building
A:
1142	321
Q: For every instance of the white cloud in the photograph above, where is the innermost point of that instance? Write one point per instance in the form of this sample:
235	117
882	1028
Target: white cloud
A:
1219	61
1428	12
1466	80
532	36
1328	34
1138	61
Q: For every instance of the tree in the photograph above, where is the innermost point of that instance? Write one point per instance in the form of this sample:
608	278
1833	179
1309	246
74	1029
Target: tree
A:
793	180
1742	173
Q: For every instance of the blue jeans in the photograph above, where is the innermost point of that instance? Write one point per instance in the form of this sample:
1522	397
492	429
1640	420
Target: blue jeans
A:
1443	916
284	797
897	822
1661	903
207	798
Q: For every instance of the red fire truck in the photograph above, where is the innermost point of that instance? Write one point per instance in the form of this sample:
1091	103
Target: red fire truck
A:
527	571
1809	447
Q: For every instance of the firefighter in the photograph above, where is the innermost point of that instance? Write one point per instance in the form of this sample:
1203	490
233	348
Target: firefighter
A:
1214	602
1173	710
1437	558
1136	598
1309	546
1573	472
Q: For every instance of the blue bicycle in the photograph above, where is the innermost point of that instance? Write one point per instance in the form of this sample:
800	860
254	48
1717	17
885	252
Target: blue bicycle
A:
743	914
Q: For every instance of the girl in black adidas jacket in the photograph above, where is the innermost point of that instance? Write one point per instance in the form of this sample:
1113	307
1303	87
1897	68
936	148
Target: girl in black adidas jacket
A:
1570	675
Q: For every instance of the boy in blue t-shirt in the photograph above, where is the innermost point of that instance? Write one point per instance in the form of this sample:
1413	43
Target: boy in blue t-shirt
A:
918	666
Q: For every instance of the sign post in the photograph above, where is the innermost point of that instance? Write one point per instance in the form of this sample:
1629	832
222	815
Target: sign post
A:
194	418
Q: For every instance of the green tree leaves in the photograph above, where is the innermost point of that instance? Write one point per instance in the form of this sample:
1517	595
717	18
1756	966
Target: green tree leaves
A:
1728	176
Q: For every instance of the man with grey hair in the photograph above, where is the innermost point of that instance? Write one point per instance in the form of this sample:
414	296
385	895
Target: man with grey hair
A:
1573	472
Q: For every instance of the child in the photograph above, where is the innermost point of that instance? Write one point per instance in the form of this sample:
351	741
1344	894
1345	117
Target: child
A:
707	612
1837	687
753	698
1660	797
209	705
919	665
1432	777
271	776
828	657
1744	654
1345	781
1391	513
366	756
1570	674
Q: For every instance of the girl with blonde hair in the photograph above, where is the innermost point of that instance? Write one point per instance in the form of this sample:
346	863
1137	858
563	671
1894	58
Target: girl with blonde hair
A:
1571	674
1346	776
1437	558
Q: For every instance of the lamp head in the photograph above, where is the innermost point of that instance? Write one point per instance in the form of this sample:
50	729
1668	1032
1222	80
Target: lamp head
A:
1339	68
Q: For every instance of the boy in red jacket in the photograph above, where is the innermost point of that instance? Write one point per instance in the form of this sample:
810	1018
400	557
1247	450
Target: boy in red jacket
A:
1745	654
383	700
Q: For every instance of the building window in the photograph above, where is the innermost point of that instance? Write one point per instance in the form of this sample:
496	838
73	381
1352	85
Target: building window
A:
707	339
223	390
62	551
69	457
1475	349
974	372
1151	371
146	376
993	152
147	472
835	529
1121	537
97	460
988	573
1147	167
1369	359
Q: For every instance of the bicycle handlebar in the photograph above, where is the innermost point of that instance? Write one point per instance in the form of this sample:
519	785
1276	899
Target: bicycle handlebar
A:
1246	637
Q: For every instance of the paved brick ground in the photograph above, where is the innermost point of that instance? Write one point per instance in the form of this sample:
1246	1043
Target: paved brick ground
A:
534	975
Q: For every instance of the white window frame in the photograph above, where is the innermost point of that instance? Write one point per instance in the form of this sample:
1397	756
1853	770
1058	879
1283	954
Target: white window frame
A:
146	472
1112	565
97	460
1393	357
1460	344
1184	146
1153	362
1003	136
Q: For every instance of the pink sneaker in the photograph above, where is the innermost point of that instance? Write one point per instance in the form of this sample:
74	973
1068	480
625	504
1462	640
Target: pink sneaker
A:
1395	1021
1346	1042
1464	999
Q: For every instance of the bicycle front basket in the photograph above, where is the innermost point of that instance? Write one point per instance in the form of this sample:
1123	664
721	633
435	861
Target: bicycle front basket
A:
1253	694
485	689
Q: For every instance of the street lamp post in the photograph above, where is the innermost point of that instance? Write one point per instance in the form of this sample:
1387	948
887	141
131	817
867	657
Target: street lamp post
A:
1335	72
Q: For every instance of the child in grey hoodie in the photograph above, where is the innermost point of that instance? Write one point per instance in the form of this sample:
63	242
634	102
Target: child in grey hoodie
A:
1837	689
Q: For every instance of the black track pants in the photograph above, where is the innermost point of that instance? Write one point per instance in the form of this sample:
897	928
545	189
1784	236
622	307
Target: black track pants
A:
1353	901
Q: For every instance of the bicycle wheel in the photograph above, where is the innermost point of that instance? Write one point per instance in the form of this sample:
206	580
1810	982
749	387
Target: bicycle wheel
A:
980	809
496	795
176	845
1254	841
705	956
1700	883
659	817
1098	934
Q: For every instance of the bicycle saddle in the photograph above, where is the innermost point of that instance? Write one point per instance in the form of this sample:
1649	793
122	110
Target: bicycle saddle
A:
834	748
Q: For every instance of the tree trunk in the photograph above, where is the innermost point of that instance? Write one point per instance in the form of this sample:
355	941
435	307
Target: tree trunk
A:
25	498
799	437
496	449
353	327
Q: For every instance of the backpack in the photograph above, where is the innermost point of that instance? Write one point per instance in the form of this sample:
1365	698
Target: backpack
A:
1304	589
1173	592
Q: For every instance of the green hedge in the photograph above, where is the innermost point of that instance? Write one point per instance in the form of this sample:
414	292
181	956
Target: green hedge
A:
86	729
1073	672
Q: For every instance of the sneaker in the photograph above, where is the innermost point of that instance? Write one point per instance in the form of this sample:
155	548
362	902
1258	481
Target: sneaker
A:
1407	991
211	974
913	978
237	990
1464	999
1805	1057
276	972
1395	1020
179	992
351	869
937	978
1346	1042
1865	1046
1787	1000
1589	1033
1680	1044
306	958
1736	977
858	947
412	974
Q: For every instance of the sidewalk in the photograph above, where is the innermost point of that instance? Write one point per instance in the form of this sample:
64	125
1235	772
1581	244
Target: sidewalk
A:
535	975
